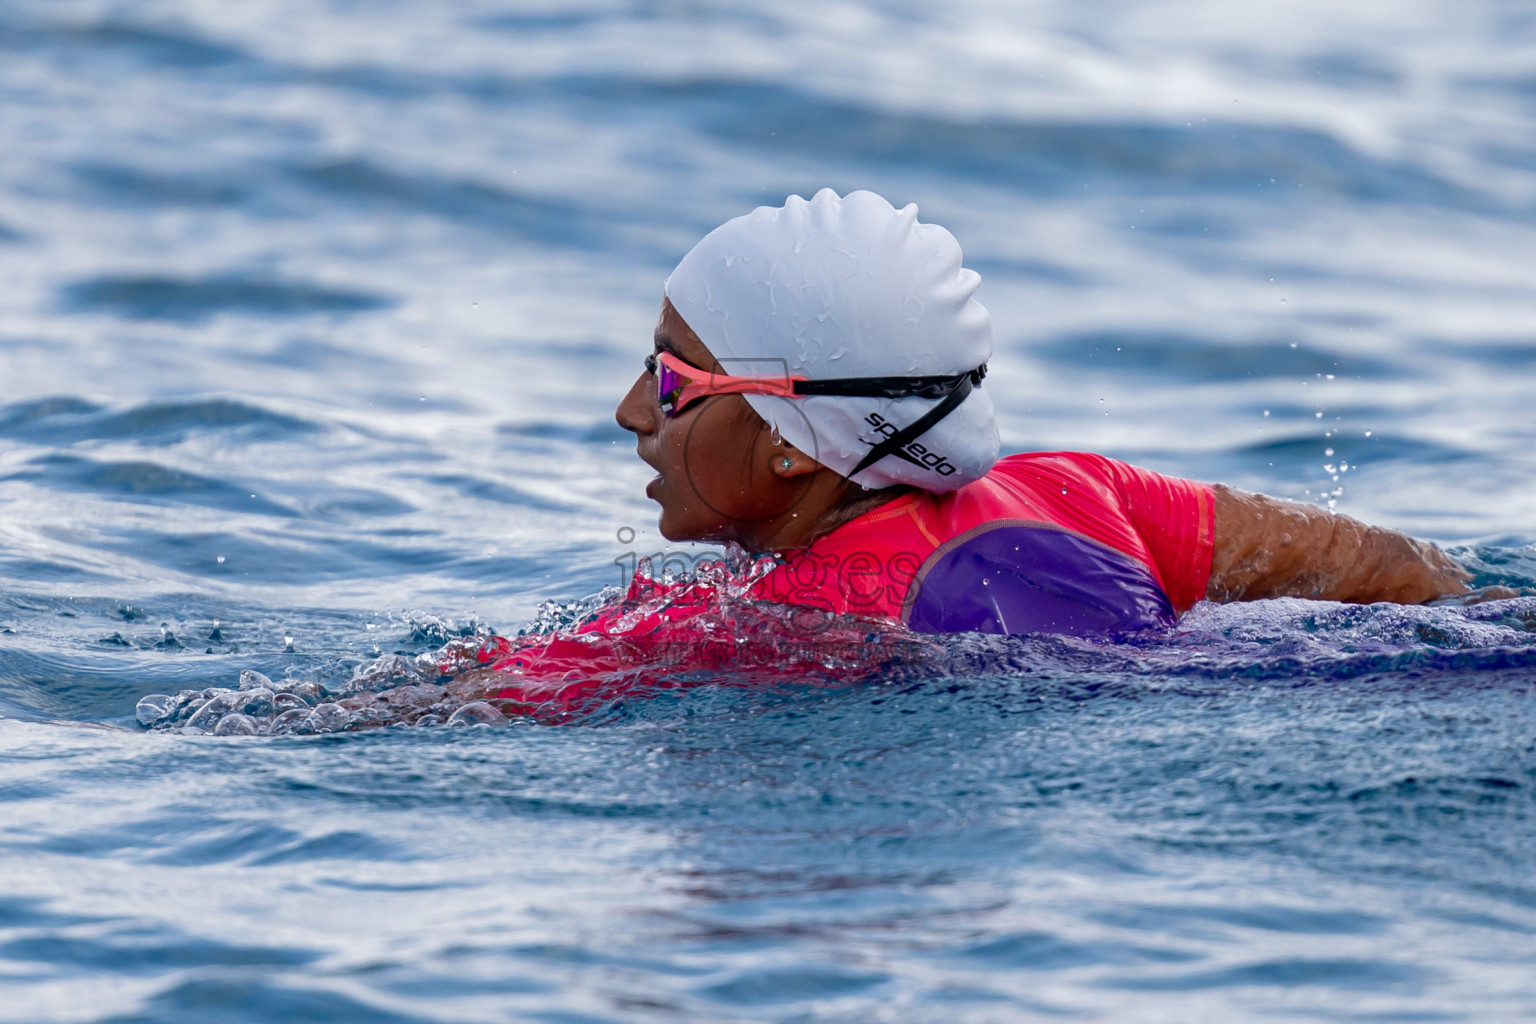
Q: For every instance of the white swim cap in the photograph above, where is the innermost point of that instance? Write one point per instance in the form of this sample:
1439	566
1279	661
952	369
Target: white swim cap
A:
839	288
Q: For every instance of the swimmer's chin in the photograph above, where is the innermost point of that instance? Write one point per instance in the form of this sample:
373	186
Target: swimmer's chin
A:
671	531
668	527
664	524
674	514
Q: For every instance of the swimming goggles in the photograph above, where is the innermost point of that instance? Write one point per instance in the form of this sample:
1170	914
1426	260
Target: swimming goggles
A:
679	385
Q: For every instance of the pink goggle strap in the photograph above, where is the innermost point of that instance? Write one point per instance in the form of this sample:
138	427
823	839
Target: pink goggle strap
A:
678	383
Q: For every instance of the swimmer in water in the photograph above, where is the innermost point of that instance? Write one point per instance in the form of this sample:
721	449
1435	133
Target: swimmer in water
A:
816	395
816	391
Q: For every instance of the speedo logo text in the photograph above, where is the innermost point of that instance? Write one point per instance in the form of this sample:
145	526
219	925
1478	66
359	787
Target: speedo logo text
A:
914	452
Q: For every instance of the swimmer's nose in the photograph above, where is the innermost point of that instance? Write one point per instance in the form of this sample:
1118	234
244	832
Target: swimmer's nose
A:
637	410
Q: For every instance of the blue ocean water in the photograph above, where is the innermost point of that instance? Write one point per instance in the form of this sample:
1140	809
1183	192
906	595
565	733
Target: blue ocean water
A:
312	317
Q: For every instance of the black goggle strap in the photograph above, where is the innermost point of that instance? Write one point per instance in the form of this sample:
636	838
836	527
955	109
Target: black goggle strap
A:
888	387
959	389
953	388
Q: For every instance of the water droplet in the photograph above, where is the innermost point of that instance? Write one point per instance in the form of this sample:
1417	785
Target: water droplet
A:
1327	451
221	559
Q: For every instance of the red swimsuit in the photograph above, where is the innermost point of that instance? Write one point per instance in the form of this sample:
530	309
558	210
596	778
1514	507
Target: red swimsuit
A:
1055	542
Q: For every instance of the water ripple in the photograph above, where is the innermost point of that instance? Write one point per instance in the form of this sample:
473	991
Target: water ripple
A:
68	420
480	204
187	299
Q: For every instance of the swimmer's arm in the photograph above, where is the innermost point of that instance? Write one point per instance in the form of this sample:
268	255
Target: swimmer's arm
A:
1265	547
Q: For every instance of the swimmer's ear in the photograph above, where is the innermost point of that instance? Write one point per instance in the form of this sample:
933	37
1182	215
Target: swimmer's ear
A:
789	461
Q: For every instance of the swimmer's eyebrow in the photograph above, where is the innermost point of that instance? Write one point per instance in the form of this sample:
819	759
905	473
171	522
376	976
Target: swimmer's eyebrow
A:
664	343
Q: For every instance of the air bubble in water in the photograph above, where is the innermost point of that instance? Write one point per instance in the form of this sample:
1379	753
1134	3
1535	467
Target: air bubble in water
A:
328	718
282	702
236	724
257	703
150	709
311	693
250	680
477	713
215	708
391	670
289	720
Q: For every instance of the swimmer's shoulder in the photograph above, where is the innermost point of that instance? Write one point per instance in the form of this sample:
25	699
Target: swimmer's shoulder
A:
1050	471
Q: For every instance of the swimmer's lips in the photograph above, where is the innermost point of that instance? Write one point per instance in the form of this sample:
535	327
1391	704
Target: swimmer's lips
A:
655	481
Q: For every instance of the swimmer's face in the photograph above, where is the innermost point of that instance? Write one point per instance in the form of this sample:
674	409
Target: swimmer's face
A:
720	475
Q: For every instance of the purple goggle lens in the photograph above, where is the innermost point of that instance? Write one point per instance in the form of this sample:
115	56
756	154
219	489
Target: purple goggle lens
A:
669	385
